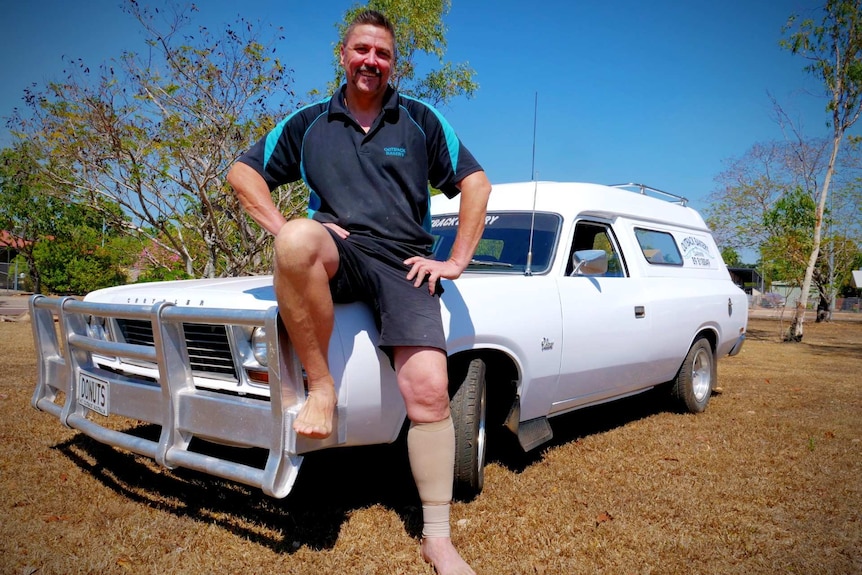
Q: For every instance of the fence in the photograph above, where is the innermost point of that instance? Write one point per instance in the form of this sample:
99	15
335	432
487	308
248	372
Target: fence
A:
842	304
849	304
8	278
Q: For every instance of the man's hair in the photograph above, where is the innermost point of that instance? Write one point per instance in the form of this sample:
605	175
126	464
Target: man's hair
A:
373	18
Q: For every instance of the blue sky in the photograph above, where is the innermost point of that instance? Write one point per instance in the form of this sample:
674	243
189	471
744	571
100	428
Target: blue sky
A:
659	92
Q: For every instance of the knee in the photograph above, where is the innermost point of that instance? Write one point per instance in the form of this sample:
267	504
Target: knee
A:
296	244
427	398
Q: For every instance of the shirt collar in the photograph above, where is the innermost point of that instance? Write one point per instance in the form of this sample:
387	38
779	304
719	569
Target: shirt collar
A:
390	101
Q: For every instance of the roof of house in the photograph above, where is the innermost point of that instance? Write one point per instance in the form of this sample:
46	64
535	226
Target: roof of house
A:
7	240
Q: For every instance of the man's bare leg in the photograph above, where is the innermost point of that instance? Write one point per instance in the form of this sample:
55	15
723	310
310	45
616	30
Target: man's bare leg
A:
423	380
305	259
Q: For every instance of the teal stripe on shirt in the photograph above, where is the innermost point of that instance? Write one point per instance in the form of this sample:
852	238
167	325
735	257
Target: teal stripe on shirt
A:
452	142
274	134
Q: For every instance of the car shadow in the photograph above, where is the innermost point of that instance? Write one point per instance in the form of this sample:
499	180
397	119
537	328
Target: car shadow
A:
331	485
503	447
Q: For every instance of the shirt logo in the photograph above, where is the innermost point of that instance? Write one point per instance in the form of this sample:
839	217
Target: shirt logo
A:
400	152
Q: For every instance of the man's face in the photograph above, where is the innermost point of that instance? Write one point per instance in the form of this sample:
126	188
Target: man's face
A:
367	58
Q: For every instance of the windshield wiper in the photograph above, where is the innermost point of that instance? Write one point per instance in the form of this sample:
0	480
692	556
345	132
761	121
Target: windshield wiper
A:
490	264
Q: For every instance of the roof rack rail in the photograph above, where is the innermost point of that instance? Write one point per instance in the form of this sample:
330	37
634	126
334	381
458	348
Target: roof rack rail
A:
643	189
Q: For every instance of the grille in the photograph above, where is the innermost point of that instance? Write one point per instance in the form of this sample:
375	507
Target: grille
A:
208	345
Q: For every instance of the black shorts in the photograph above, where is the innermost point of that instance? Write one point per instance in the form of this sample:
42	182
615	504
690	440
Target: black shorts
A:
405	315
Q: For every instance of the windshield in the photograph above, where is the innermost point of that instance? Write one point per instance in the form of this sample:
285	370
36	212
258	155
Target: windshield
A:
505	243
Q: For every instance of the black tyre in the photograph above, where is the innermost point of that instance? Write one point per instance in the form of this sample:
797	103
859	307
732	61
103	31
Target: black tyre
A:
468	406
693	384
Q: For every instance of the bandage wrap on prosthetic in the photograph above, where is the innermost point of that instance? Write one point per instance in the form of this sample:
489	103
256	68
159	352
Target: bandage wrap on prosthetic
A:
431	449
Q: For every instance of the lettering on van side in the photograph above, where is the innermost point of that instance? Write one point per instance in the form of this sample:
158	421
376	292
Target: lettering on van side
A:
696	252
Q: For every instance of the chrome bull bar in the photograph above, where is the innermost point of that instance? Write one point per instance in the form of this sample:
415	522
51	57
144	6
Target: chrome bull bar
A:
173	402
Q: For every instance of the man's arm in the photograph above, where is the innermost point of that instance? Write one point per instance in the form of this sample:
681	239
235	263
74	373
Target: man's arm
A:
255	197
475	190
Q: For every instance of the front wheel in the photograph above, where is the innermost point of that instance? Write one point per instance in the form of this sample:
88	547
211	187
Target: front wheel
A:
693	384
468	415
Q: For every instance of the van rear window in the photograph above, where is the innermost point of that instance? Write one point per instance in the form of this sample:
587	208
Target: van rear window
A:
658	247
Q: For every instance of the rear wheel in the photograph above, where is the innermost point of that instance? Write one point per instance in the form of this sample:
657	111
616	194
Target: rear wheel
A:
693	384
468	407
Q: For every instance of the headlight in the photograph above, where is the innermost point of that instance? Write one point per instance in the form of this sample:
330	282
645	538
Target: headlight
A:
258	345
96	328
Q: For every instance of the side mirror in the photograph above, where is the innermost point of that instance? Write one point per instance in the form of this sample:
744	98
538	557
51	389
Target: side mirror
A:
590	263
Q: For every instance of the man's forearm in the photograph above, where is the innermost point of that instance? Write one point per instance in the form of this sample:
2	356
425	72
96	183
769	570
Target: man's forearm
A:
254	195
475	190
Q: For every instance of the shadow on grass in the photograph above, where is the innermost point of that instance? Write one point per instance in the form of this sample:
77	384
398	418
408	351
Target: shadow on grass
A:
755	334
505	450
850	350
332	484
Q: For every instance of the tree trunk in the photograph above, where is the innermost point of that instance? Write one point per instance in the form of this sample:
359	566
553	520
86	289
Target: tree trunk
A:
795	332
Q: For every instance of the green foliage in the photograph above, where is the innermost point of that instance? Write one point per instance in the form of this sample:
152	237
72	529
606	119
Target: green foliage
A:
788	246
845	254
834	48
68	248
144	142
159	274
25	208
29	210
419	35
731	257
79	259
65	270
155	133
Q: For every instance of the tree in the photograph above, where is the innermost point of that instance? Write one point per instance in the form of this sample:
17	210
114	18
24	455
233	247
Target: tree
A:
67	248
751	209
785	253
79	259
25	212
748	189
731	257
834	48
156	132
419	29
842	240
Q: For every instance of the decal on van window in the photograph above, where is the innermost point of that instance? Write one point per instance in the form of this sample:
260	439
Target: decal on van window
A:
696	252
448	221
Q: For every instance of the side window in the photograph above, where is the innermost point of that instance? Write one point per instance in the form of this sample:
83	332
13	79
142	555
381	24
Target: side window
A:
658	247
596	236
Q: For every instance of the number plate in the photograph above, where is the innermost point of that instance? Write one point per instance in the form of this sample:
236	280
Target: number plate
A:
93	393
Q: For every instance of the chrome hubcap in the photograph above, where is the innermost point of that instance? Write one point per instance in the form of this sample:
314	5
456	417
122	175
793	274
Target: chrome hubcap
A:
701	375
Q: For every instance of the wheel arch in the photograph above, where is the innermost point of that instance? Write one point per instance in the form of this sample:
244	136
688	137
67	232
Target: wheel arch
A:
710	333
502	375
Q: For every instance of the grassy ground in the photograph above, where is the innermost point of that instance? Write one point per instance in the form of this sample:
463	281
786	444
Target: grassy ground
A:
768	480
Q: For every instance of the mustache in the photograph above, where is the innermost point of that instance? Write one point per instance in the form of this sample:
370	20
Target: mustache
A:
370	69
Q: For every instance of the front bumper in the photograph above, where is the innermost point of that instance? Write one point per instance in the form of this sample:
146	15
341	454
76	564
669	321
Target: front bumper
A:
173	402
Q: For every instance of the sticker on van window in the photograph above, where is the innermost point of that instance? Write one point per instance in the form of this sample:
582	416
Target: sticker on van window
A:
696	253
448	221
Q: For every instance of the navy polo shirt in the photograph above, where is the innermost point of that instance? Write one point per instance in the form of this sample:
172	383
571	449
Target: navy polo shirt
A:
373	184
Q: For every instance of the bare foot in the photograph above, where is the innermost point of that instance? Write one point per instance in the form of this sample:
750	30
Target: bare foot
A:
439	552
315	417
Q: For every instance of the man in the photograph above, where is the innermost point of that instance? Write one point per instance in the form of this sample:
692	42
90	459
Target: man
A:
367	154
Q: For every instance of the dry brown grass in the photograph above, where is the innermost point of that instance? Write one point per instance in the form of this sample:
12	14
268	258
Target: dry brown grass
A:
768	480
